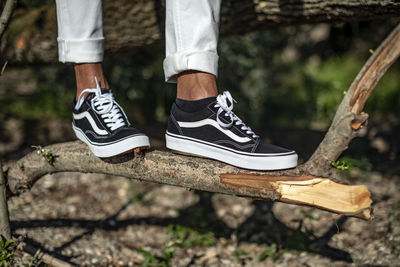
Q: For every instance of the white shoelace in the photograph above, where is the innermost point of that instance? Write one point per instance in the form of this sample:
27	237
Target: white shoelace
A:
222	103
103	104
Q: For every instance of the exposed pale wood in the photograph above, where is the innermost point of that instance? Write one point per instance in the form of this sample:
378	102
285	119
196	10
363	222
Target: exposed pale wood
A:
196	173
309	190
130	24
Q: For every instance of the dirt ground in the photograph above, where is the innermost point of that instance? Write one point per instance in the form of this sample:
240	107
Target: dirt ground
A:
99	220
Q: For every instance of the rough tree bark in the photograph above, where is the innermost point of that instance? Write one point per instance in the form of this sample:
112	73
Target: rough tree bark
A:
32	34
195	173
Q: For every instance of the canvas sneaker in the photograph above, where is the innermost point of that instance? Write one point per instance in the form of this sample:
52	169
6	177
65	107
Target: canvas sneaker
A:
102	124
216	132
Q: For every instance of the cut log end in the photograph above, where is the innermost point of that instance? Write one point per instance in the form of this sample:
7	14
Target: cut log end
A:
323	193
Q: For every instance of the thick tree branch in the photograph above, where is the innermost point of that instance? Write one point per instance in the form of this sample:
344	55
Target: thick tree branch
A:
129	24
289	186
348	118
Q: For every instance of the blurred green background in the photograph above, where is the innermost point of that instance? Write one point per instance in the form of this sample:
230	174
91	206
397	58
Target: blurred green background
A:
289	77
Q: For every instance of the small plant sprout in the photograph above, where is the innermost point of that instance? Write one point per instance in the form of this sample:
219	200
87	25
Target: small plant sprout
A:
35	260
6	254
341	165
46	153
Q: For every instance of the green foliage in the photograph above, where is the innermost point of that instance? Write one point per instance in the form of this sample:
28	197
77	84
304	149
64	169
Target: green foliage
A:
239	256
6	255
178	237
35	260
300	240
347	163
363	163
137	197
307	215
328	81
394	217
149	259
277	79
45	153
187	237
44	92
272	252
340	165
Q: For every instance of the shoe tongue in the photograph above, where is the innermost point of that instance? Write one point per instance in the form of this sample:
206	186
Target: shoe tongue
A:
105	91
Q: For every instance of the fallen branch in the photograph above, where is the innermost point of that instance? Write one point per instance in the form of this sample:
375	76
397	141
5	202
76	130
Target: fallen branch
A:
289	186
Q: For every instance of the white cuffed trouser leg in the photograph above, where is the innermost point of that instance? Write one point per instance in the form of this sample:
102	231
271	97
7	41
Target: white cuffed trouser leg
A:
80	31
191	36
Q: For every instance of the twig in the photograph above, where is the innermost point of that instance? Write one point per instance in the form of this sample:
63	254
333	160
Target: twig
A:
45	257
6	15
5	229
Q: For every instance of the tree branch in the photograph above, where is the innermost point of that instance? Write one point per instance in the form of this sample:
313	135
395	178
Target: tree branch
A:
5	229
6	15
348	119
289	186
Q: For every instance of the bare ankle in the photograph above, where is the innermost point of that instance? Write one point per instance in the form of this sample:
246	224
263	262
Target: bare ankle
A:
195	85
85	74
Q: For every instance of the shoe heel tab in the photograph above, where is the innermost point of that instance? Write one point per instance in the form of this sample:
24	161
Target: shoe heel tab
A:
73	104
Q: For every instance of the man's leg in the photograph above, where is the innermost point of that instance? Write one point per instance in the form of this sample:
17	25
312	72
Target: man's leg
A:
195	85
201	121
80	40
84	73
98	120
192	29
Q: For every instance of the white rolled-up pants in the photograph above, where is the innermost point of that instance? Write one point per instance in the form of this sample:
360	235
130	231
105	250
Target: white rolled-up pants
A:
191	34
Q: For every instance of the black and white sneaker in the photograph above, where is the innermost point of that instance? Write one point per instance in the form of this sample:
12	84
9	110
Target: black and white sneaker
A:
101	123
212	130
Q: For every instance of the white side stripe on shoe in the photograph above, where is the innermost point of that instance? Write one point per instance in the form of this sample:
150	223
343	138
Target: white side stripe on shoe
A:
215	124
86	115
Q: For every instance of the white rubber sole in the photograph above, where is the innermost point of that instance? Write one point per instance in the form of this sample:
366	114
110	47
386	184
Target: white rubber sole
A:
106	151
200	148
